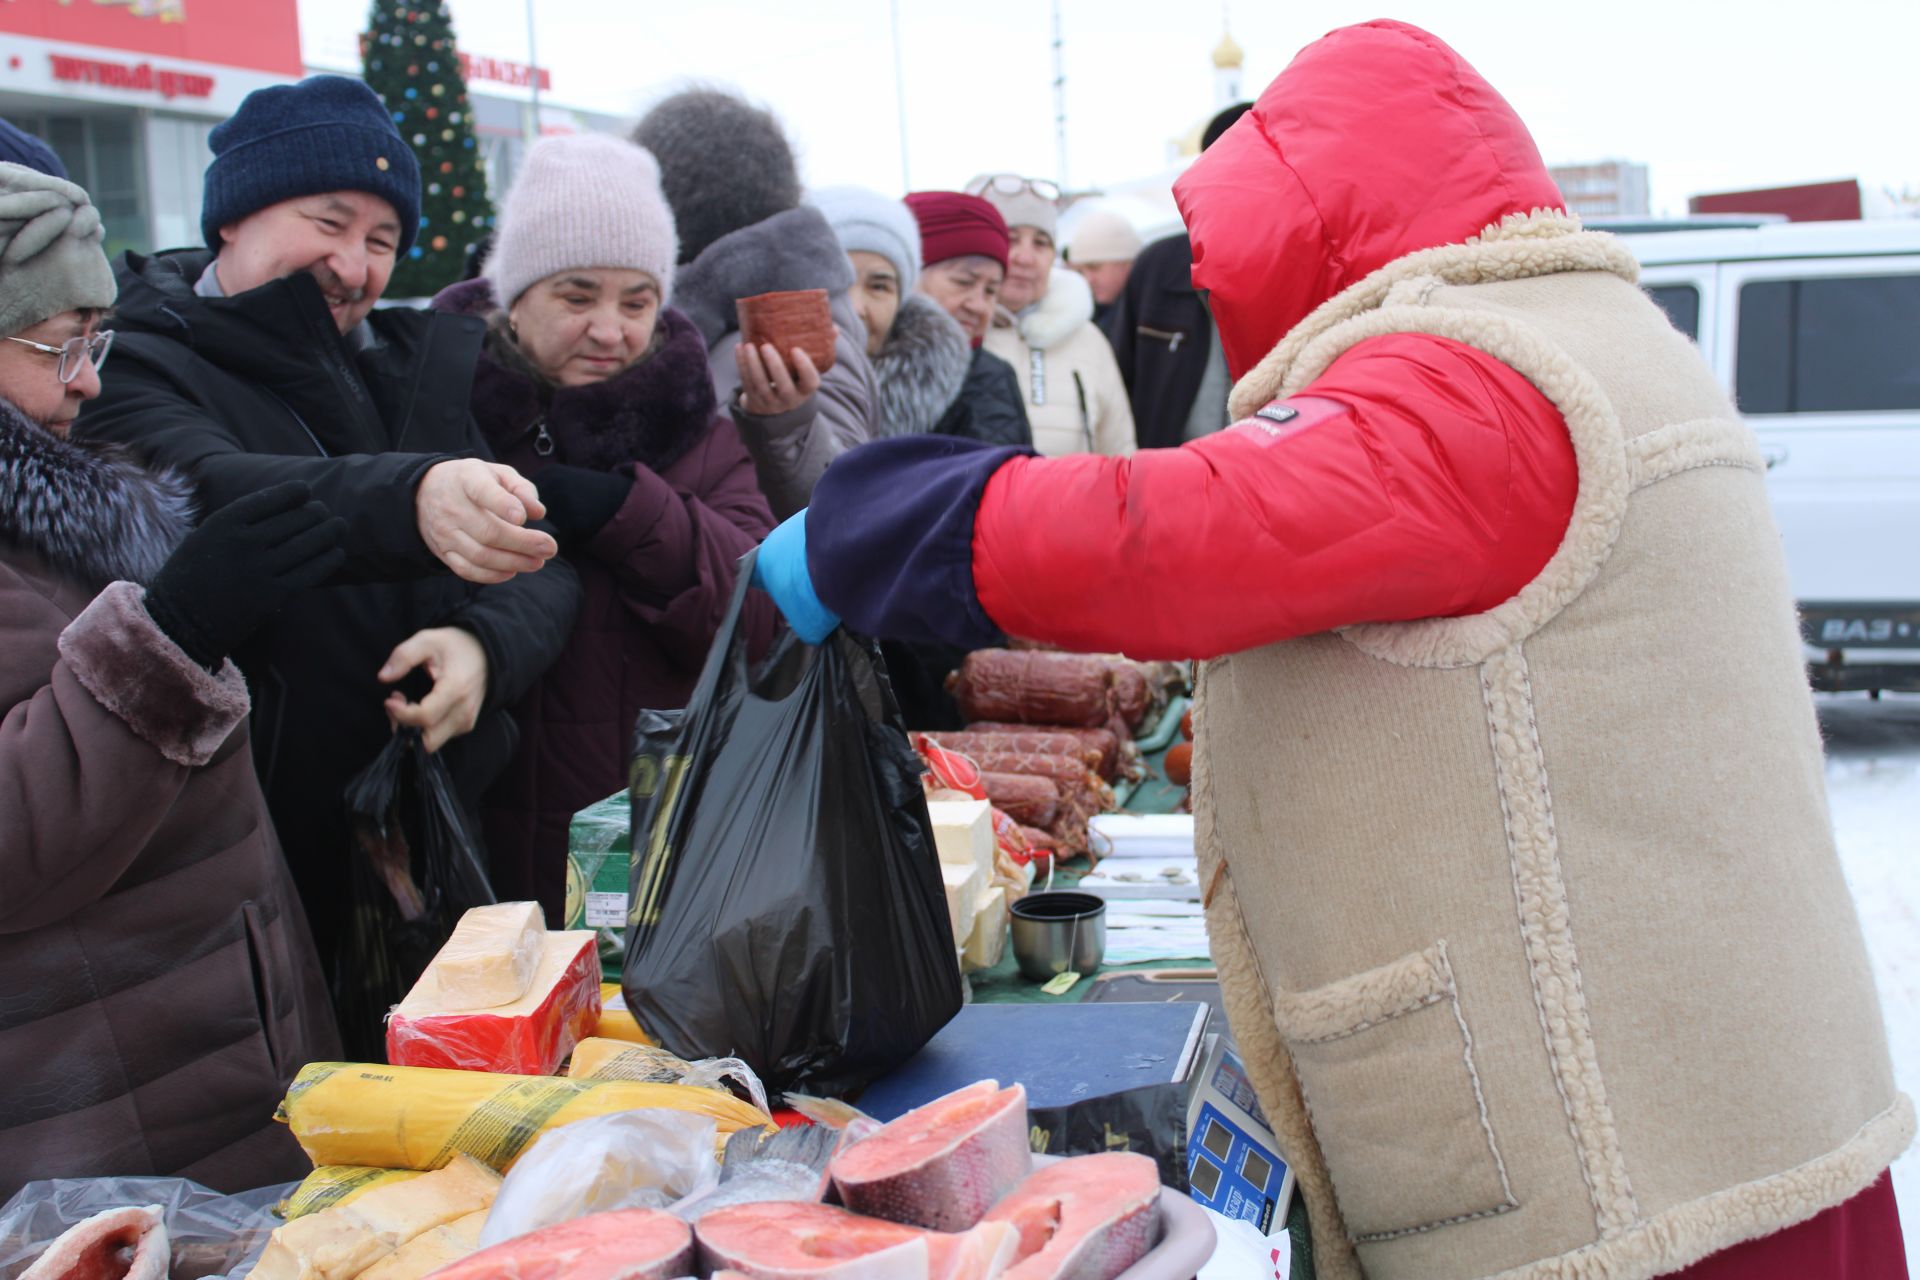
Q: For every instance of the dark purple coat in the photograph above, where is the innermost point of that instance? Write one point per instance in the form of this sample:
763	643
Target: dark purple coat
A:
654	582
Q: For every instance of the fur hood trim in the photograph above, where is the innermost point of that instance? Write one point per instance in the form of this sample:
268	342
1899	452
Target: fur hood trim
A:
791	250
1056	317
922	367
88	509
651	413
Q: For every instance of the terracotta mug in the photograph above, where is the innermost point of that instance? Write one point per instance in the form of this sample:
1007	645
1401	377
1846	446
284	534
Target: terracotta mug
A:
799	318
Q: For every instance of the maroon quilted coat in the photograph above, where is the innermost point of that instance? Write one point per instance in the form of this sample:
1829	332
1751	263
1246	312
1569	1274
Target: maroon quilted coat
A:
654	582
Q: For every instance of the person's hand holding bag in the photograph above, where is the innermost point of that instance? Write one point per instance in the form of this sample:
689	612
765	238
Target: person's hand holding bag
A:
780	570
243	562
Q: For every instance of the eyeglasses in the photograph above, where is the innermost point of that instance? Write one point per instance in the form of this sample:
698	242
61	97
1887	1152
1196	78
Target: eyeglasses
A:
92	347
1012	184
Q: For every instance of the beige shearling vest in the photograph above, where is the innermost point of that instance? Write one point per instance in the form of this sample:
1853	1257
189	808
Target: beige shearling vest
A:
1530	924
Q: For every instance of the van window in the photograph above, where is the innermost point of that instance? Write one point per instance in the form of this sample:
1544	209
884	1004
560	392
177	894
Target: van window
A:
1830	344
1681	302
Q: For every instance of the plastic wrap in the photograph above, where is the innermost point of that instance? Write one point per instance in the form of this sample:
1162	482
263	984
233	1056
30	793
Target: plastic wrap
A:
333	1184
1117	757
1031	802
1036	688
418	1117
629	1160
598	1059
616	1020
1022	743
209	1234
532	1036
786	903
1080	787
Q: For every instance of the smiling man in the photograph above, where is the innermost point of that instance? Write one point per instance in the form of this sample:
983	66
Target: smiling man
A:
261	359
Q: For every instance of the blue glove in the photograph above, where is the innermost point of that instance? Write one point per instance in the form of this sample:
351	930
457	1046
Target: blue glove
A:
780	570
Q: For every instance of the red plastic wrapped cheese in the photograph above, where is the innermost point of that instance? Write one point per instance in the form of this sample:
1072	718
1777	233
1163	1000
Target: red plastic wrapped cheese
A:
530	1036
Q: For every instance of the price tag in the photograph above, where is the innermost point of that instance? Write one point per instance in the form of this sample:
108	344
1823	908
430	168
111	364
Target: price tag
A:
606	910
1061	983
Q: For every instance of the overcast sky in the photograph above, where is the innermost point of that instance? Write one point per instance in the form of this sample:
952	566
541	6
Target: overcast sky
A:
1709	95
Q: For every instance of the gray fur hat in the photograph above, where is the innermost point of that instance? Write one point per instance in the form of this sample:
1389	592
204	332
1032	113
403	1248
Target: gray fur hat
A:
724	164
52	254
867	222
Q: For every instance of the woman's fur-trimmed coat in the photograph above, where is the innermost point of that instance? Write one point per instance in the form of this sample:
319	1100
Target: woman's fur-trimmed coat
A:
160	987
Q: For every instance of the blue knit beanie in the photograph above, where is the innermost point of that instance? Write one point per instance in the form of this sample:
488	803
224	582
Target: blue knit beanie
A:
17	146
326	133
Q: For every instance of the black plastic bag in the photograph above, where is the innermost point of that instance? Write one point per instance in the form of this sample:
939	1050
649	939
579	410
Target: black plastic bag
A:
415	868
787	905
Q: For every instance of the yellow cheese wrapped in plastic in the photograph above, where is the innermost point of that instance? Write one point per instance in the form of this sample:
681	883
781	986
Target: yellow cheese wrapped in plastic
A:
616	1020
333	1184
421	1117
428	1252
342	1242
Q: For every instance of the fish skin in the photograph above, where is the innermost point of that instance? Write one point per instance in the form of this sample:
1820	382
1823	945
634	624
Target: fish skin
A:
941	1166
622	1244
790	1164
91	1248
1083	1218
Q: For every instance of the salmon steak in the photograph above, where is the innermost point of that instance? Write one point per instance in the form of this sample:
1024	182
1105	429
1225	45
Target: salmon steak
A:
119	1244
943	1165
623	1244
794	1241
1083	1218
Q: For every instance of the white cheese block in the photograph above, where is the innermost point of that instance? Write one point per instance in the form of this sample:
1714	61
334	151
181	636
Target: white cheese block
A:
963	833
963	891
552	954
489	960
342	1242
988	941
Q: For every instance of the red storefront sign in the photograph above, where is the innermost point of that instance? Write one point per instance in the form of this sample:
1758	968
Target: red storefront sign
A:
144	78
502	71
254	35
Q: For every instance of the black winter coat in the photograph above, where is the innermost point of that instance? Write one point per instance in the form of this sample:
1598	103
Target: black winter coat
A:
989	407
1161	333
244	392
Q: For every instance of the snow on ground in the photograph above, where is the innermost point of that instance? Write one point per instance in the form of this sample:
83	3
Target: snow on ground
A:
1873	783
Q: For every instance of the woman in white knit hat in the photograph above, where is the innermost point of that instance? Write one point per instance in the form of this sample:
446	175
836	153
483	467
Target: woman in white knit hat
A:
1044	328
597	389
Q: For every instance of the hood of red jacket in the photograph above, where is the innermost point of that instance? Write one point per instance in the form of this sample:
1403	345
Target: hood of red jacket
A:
1377	141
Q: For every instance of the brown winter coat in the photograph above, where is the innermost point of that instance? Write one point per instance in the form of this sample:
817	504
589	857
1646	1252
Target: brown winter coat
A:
158	986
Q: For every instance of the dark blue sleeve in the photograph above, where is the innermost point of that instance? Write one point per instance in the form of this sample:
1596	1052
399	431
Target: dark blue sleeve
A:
890	538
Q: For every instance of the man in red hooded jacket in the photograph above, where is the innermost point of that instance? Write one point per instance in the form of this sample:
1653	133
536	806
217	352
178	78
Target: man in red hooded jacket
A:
1508	789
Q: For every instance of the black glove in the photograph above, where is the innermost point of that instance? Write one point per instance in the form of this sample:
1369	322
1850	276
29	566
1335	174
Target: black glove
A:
242	563
580	500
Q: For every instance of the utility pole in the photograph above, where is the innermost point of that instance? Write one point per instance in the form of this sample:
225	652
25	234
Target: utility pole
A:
900	97
1059	100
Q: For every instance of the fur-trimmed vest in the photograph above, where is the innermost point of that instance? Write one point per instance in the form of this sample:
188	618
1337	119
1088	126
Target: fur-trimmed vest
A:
1530	923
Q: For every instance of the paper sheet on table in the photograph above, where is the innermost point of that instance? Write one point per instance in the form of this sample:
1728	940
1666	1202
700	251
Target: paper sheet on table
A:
1240	1252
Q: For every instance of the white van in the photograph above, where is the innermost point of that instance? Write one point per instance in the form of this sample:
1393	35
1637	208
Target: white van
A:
1814	329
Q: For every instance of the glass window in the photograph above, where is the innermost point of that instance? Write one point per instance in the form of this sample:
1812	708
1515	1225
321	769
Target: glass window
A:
1831	344
1681	302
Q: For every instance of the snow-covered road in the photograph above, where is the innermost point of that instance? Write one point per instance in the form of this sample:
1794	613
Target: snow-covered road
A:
1873	780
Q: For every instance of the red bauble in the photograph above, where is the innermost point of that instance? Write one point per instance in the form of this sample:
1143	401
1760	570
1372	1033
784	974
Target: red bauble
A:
459	192
439	243
446	166
433	113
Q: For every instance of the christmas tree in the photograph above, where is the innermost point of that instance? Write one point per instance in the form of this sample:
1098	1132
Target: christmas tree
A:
412	64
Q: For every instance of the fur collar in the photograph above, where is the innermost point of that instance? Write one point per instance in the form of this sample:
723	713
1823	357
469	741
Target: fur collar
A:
88	509
922	367
791	250
1056	317
652	413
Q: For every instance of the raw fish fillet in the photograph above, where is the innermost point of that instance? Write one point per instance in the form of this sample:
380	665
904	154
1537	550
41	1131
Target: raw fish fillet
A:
943	1165
626	1244
819	1242
119	1244
1083	1218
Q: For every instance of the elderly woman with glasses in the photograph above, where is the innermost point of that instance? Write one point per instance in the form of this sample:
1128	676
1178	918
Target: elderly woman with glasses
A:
161	985
1043	327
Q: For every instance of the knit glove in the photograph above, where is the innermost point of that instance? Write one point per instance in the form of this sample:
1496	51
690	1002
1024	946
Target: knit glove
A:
581	500
243	562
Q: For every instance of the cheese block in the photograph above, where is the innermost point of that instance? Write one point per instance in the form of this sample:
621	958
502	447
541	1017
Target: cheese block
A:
490	959
988	941
616	1020
531	1036
963	834
963	889
333	1184
342	1242
428	1252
